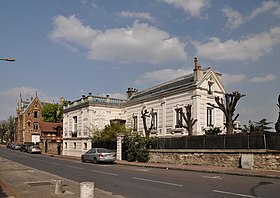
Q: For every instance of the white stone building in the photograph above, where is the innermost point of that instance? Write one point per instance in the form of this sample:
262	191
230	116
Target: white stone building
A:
196	89
84	115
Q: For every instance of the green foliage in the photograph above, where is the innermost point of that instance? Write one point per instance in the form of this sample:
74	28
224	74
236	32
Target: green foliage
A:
49	113
212	131
7	128
255	127
137	147
109	133
53	112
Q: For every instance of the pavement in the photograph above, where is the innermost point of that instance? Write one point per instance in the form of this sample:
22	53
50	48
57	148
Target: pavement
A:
17	180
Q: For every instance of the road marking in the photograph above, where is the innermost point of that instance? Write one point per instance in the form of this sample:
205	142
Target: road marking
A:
74	167
159	182
56	163
42	161
107	173
213	177
236	194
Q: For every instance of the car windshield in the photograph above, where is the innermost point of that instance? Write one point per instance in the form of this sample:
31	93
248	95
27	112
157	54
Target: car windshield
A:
36	146
101	150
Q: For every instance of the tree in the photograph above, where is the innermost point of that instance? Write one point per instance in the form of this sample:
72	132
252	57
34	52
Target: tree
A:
277	124
10	127
49	112
212	131
254	127
3	130
228	108
144	114
188	119
109	133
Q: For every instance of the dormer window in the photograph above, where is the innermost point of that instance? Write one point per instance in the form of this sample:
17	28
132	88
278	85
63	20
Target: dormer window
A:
210	88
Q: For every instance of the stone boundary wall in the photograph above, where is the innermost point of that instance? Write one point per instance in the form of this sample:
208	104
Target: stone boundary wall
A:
262	159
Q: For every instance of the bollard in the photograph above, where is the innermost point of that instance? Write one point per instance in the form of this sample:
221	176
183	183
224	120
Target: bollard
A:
58	187
87	190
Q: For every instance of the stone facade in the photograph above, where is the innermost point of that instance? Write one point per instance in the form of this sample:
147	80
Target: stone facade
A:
195	89
85	115
29	116
262	159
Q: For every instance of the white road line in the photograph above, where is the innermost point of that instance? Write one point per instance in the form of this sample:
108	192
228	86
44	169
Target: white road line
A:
159	182
56	163
107	173
213	177
236	194
75	167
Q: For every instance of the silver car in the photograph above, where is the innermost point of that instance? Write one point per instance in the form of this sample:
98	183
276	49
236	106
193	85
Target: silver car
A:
97	155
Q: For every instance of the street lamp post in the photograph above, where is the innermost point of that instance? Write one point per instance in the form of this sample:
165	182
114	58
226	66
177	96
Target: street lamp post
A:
8	59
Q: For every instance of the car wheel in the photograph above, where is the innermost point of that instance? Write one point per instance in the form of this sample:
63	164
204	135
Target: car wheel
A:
95	160
83	160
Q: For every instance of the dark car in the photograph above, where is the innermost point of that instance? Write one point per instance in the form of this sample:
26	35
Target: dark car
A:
97	155
24	147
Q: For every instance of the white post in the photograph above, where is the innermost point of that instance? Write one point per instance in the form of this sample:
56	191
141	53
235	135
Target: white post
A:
119	145
87	190
58	187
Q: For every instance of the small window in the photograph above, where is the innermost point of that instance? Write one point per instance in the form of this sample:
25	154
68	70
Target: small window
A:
209	116
75	145
154	118
210	88
135	123
178	117
65	145
35	126
85	146
28	124
35	114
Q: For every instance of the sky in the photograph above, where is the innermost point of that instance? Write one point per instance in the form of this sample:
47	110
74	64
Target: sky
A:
68	48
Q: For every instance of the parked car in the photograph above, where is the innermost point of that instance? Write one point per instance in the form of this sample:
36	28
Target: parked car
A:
17	146
24	147
34	149
97	155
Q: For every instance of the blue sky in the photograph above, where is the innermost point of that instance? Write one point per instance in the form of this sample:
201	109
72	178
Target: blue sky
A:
68	48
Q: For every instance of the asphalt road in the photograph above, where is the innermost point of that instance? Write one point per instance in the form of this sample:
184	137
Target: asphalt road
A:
141	182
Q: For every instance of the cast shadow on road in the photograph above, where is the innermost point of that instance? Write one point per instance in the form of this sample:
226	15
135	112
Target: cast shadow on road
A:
2	193
261	183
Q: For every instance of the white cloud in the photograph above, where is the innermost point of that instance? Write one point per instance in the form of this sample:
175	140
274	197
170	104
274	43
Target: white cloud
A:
267	6
233	78
9	99
140	43
269	77
138	15
162	75
235	19
190	6
248	48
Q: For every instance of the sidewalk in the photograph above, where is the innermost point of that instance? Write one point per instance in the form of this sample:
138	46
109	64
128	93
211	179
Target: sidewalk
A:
17	180
21	181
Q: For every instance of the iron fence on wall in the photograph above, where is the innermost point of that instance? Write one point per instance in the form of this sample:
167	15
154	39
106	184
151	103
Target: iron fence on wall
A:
268	140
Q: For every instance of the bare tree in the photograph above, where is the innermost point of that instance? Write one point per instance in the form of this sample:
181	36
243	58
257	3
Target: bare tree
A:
188	119
144	114
228	107
277	124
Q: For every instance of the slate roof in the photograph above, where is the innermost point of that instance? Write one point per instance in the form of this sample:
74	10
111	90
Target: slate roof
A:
181	82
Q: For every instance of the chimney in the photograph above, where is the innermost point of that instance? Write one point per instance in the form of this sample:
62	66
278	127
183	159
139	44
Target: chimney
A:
107	98
197	71
130	92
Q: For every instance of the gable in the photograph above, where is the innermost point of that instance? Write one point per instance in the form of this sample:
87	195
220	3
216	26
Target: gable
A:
211	78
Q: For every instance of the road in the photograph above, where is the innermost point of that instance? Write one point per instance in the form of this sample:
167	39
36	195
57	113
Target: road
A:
143	182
